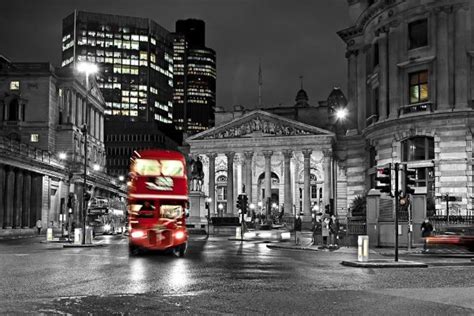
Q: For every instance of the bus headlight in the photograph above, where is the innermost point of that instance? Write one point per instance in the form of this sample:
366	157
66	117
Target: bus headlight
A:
137	234
179	235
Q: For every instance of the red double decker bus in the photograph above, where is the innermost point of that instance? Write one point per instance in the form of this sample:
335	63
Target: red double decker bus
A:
158	202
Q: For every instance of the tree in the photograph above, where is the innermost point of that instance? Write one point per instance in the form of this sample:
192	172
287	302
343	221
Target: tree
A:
358	206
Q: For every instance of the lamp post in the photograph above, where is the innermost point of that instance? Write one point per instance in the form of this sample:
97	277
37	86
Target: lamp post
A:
88	69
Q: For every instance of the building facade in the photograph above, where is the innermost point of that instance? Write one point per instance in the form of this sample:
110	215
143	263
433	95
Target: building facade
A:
194	78
42	110
282	157
410	93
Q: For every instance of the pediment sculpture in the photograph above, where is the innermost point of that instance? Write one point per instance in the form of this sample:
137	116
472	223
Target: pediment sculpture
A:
258	124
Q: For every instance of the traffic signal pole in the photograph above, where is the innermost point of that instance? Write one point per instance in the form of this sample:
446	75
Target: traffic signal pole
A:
397	194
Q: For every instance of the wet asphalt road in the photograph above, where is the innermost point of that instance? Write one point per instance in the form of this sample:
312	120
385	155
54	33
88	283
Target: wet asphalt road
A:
218	276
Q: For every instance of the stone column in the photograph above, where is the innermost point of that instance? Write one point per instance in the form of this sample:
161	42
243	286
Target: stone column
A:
352	88
460	58
383	86
361	89
26	200
306	187
2	195
248	174
327	177
9	194
442	62
18	202
287	154
212	181
230	182
268	174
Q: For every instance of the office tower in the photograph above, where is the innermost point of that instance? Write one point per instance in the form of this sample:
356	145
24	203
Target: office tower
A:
194	78
135	58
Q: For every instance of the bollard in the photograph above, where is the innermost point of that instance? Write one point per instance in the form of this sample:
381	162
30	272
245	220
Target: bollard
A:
363	248
77	236
49	234
237	232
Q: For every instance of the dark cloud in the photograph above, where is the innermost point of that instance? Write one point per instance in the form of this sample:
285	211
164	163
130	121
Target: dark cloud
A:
290	37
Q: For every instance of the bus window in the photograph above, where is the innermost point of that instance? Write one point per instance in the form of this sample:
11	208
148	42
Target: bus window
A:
142	209
172	168
146	167
171	211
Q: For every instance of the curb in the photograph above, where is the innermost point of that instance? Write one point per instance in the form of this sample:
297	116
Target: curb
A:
246	239
291	247
382	263
82	246
432	255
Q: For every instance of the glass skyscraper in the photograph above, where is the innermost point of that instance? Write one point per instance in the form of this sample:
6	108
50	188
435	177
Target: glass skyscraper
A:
135	56
194	78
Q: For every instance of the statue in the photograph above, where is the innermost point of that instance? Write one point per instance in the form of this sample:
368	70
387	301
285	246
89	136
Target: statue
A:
197	174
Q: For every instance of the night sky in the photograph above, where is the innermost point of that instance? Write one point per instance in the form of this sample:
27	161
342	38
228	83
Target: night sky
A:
292	38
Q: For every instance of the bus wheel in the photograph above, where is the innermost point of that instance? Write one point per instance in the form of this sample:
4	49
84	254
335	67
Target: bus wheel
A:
180	251
133	250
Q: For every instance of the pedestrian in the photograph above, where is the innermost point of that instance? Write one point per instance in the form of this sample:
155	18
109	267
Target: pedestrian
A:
426	231
325	231
297	229
317	230
333	231
38	226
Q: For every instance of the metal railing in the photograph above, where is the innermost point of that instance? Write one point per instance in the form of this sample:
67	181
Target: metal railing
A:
8	145
415	108
441	222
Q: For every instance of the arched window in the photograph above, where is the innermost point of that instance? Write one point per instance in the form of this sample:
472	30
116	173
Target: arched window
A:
13	109
418	148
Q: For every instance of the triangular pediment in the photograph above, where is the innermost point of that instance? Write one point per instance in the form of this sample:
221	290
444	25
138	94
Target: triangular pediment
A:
260	124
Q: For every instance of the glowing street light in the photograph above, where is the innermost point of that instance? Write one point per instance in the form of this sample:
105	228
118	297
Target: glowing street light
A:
341	114
88	69
62	156
96	167
121	178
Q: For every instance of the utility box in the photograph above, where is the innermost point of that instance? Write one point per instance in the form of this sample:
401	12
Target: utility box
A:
363	248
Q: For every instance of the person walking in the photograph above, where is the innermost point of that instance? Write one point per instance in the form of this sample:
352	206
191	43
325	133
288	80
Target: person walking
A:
297	229
325	231
317	230
333	231
39	226
426	231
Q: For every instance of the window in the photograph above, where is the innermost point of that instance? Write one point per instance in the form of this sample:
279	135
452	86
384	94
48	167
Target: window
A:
376	53
13	110
34	138
418	148
418	34
418	90
15	85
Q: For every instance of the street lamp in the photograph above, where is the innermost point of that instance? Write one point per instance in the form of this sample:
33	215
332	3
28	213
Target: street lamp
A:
62	156
87	69
121	178
96	167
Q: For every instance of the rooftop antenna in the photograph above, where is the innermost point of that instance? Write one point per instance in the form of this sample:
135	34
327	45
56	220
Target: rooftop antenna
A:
260	83
301	81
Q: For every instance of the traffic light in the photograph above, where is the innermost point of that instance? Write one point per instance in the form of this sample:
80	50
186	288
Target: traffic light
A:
410	176
240	202
384	176
245	204
70	200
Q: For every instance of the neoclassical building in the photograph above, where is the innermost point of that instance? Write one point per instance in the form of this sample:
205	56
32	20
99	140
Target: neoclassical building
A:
274	153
